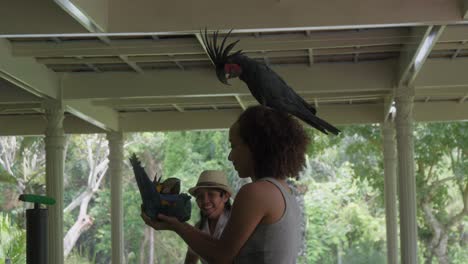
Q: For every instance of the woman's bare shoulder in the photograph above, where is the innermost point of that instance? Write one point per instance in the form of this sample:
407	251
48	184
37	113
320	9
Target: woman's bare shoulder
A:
255	188
258	193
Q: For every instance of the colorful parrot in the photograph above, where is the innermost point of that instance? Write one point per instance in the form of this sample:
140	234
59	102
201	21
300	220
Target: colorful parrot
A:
149	196
268	88
163	197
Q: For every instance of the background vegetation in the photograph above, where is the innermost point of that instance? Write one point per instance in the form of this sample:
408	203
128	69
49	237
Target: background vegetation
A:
341	191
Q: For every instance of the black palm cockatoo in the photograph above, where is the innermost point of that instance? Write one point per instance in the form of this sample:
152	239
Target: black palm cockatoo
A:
268	88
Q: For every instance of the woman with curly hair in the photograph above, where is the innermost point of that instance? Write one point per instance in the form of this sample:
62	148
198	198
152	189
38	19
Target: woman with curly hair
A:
267	146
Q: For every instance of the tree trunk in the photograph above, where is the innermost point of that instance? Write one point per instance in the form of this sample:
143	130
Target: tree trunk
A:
339	253
428	259
98	165
143	245
151	247
439	239
428	255
441	250
83	223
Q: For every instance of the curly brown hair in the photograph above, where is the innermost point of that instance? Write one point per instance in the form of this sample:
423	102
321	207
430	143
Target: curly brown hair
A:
278	141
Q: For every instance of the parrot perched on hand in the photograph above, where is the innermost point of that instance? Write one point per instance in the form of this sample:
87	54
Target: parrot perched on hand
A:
164	198
268	88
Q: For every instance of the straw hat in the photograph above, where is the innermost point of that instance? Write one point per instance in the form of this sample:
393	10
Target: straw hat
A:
212	179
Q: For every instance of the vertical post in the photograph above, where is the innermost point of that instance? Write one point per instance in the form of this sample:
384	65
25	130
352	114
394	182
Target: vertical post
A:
55	158
390	190
115	168
406	175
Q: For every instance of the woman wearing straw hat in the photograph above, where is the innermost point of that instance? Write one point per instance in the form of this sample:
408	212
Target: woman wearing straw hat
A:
212	194
267	146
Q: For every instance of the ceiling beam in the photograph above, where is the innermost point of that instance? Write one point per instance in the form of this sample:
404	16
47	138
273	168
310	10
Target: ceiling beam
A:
274	53
124	103
131	64
26	74
440	111
35	17
29	125
36	79
10	94
219	119
448	91
172	121
464	7
178	108
241	103
319	78
137	122
462	100
81	10
201	57
310	54
438	77
443	74
414	56
100	116
152	16
377	42
355	114
454	33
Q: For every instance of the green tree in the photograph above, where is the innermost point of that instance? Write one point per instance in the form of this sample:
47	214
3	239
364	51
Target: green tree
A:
442	184
341	227
12	241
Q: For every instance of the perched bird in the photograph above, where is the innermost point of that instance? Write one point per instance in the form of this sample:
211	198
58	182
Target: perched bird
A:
162	197
149	196
170	186
268	88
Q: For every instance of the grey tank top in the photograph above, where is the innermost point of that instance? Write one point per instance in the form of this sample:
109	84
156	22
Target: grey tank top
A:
278	242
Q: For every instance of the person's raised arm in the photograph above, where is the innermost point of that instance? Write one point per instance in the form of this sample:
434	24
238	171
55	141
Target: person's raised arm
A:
247	212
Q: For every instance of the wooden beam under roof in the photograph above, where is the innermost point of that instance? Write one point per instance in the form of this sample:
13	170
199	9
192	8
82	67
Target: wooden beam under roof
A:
414	56
35	124
176	46
325	78
36	79
464	7
264	16
337	115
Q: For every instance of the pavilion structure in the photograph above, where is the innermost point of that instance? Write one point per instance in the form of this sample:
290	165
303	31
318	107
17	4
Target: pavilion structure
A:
115	66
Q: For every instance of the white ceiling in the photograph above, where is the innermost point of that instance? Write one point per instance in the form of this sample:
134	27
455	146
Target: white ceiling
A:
139	65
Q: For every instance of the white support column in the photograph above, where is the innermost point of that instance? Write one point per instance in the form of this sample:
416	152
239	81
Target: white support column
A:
390	196
115	169
406	175
55	158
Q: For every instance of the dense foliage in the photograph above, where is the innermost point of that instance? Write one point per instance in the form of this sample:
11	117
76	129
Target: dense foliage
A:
342	192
